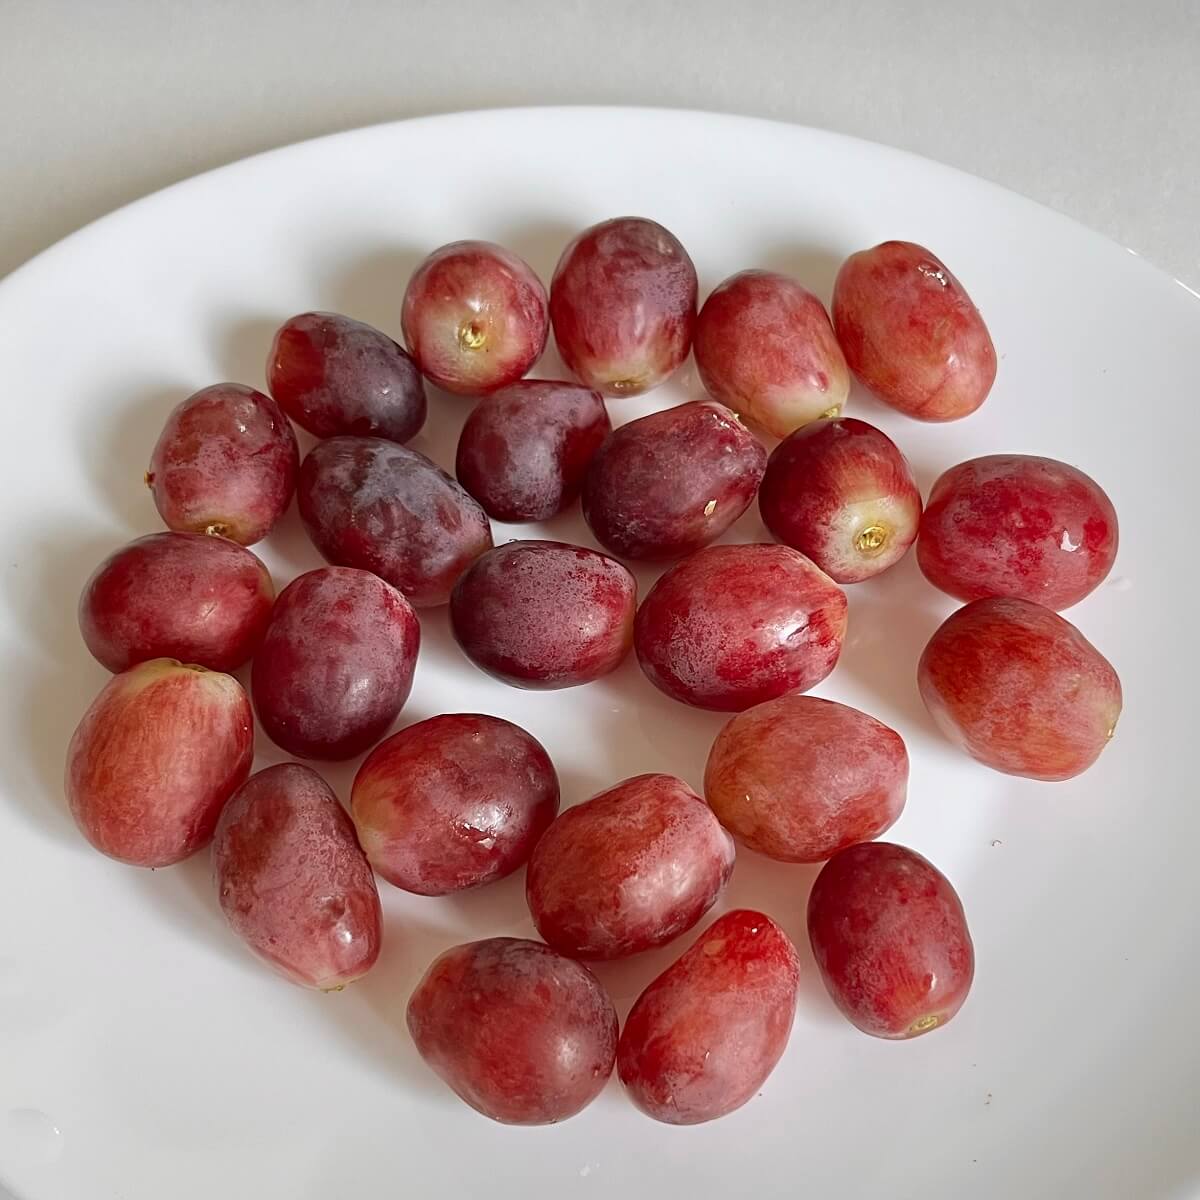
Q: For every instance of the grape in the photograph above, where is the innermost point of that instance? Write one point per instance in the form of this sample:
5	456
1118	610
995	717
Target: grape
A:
524	449
705	1035
474	317
798	778
224	463
520	1033
732	626
369	503
623	303
155	758
890	940
1016	525
336	664
841	492
453	802
333	375
765	347
1020	689
669	483
544	614
628	870
910	332
202	599
293	881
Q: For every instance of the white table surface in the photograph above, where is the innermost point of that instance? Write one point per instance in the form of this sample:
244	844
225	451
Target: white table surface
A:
1091	106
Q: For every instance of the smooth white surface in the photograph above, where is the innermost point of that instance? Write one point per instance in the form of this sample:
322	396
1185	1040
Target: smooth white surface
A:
143	1053
1090	106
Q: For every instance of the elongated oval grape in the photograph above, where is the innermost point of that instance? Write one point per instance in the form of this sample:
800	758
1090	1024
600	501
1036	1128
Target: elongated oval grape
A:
545	614
200	599
702	1039
765	347
628	870
453	802
911	334
1020	689
890	940
623	304
798	778
333	375
155	758
732	626
372	504
293	881
671	482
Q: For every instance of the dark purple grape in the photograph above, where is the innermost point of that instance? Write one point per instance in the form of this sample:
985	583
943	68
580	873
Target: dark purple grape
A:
525	449
333	375
369	503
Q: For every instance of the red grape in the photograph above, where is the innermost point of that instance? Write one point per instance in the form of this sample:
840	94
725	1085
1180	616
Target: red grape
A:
705	1035
202	599
155	758
890	940
293	881
336	664
669	483
1016	525
369	503
732	626
333	375
1020	689
475	317
524	450
544	614
765	347
628	870
453	802
225	463
842	493
623	303
520	1033
798	778
911	334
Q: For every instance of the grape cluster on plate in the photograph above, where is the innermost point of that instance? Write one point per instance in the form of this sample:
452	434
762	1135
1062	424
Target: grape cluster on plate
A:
159	766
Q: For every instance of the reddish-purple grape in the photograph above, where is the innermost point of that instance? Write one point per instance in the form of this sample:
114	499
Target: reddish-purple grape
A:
453	802
333	375
703	1038
545	614
293	881
765	347
841	492
890	940
628	870
669	483
224	463
732	626
1017	525
623	303
188	596
475	317
520	1033
524	450
336	664
370	503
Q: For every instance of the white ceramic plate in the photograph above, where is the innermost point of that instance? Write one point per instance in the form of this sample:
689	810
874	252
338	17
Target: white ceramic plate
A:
145	1054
